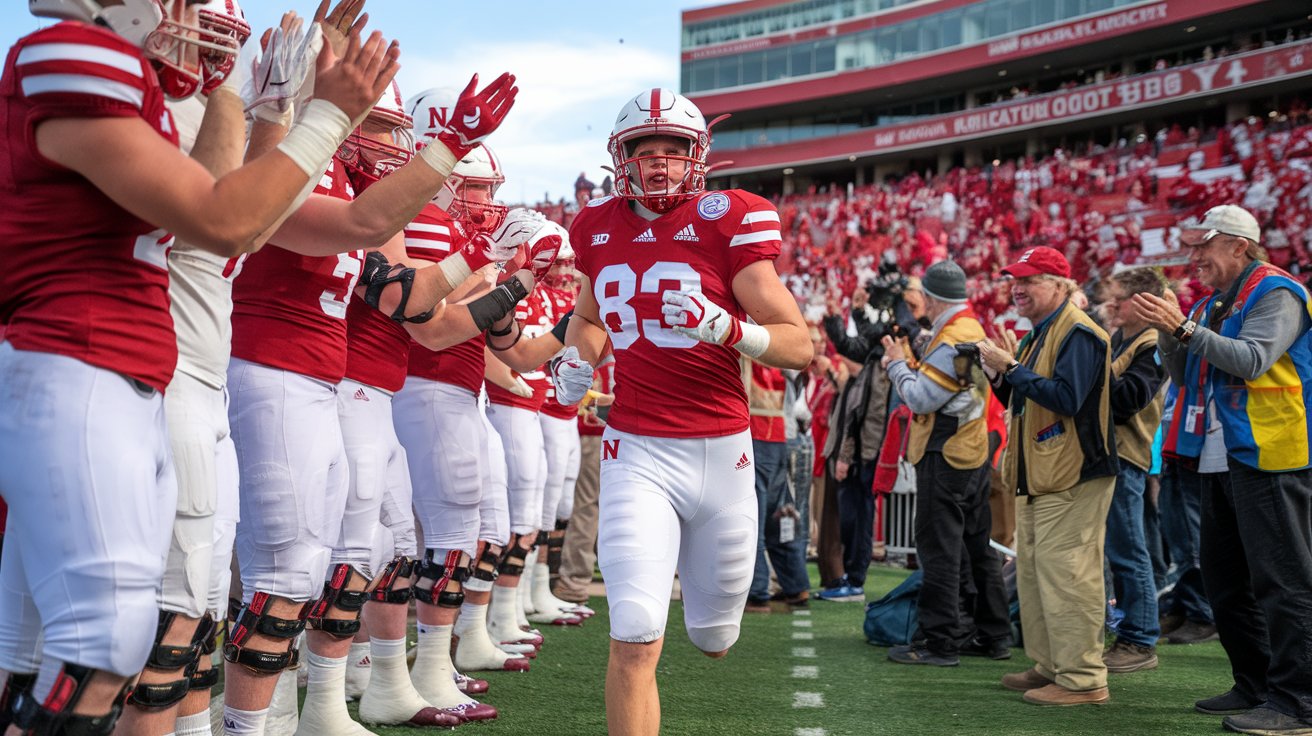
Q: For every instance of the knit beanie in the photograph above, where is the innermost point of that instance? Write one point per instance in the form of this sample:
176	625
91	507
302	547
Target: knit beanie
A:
946	282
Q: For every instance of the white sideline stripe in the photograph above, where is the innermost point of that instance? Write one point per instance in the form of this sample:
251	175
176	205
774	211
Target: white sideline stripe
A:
761	237
808	700
80	52
802	623
806	672
801	612
82	84
761	216
810	732
425	227
803	636
804	652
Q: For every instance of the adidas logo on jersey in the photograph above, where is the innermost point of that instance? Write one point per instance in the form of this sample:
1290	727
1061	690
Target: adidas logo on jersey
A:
360	395
688	234
743	462
646	237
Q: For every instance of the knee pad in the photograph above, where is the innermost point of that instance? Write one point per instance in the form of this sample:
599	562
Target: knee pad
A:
713	638
433	580
17	684
485	567
512	559
169	658
246	621
636	621
336	595
395	573
207	633
54	716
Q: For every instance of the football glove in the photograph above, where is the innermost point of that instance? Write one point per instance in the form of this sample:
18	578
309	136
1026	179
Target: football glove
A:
543	248
690	313
476	114
280	72
572	377
504	243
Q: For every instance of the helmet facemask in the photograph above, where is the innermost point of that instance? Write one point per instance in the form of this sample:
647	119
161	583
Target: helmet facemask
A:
474	204
178	44
383	143
221	19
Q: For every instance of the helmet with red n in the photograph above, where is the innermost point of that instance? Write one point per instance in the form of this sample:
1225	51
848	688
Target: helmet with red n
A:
173	41
382	144
470	192
659	112
431	110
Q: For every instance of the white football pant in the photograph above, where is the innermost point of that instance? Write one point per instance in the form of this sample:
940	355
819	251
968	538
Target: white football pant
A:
521	438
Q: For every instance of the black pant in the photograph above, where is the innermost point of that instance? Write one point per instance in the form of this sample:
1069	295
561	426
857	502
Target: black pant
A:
1257	568
856	521
953	522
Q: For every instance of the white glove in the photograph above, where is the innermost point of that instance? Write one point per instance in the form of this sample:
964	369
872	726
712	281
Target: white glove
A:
572	377
502	244
521	389
691	313
281	71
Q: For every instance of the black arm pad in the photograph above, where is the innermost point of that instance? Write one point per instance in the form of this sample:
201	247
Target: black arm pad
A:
497	303
378	274
561	327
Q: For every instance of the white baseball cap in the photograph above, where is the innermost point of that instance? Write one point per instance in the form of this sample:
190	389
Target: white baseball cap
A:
1231	220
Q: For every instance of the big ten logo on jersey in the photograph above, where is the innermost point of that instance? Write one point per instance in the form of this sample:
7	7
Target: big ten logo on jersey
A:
617	286
332	301
600	238
610	449
153	248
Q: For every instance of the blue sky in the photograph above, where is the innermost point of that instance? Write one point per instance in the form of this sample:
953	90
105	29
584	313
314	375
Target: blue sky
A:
577	63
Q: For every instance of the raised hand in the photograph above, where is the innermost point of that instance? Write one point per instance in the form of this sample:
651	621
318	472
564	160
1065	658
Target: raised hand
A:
477	114
504	243
288	54
543	247
340	22
572	376
691	313
358	79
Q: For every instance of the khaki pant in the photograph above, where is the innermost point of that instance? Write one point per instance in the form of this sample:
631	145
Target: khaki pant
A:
578	558
1059	578
1002	504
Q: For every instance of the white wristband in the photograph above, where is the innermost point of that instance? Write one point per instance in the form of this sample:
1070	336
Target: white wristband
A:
455	269
437	155
316	137
755	340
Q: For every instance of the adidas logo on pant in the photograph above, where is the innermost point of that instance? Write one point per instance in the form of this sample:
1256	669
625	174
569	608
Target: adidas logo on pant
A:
360	395
688	234
742	462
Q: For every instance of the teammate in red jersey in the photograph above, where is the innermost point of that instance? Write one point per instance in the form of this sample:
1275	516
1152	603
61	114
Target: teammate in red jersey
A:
90	343
670	273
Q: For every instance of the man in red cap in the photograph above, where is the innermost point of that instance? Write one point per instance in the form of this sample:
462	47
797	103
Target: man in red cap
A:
1062	459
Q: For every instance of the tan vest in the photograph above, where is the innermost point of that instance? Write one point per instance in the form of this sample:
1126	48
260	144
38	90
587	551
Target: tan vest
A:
1054	464
969	447
1134	439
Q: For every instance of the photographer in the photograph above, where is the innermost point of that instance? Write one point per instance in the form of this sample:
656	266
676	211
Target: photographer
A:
949	444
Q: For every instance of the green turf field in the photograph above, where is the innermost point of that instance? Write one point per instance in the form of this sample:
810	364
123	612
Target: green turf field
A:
752	691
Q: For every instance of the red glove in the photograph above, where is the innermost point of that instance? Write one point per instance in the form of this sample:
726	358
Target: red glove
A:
477	114
504	243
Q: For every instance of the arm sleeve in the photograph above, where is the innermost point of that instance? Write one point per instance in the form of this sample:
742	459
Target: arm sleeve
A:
1173	356
1137	386
855	348
431	236
1271	326
755	235
77	71
1078	366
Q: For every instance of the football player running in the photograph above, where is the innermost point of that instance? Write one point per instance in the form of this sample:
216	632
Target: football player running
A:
670	273
90	346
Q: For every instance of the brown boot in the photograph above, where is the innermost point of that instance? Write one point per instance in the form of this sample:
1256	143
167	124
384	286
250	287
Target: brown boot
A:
1055	694
1024	681
1127	657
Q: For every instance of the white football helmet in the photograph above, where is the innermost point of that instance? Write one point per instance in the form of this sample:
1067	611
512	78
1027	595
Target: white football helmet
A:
562	274
372	159
430	111
470	192
659	112
221	19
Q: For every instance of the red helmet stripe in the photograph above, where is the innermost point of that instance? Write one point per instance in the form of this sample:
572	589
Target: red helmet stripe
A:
655	104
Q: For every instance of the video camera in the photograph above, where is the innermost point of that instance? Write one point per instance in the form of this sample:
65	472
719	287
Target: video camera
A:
886	288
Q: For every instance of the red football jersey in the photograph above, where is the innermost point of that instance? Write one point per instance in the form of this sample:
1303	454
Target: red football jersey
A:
431	237
82	277
668	384
561	302
536	317
289	310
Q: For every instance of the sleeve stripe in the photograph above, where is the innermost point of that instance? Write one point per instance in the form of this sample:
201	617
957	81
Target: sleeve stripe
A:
82	84
761	216
762	237
423	227
80	53
428	244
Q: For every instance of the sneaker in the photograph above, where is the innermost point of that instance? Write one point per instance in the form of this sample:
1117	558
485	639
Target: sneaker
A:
846	593
1055	694
1022	682
1267	721
1227	703
1127	657
977	647
920	654
1192	632
1170	622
